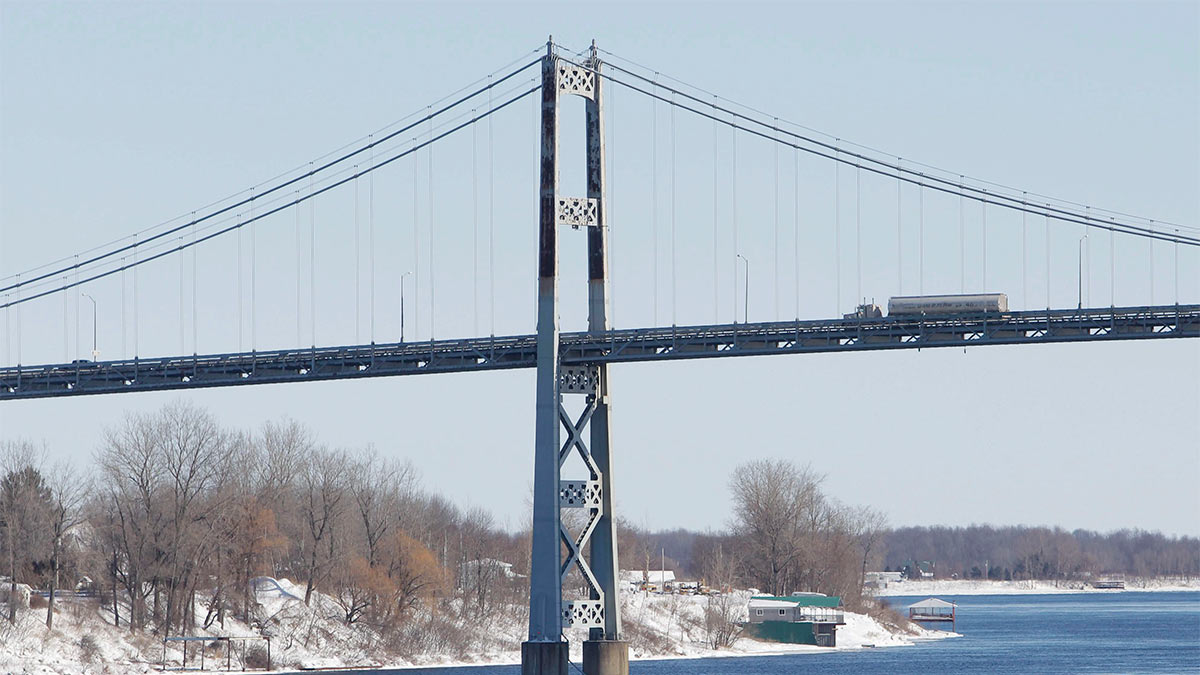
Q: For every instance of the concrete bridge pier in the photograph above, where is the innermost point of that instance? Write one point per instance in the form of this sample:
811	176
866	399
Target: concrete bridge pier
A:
606	657
544	658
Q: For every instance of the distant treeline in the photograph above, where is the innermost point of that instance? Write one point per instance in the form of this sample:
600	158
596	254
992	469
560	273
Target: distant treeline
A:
1017	552
1040	552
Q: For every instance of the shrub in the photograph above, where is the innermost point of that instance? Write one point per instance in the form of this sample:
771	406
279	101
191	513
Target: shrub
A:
256	657
89	648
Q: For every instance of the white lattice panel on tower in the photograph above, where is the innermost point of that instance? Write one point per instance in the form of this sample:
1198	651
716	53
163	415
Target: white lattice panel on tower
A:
579	494
578	380
576	211
575	80
584	614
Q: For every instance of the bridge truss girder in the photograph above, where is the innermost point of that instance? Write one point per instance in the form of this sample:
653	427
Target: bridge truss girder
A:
626	345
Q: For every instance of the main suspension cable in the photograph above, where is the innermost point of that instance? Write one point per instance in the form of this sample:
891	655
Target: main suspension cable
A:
259	195
888	169
859	145
287	204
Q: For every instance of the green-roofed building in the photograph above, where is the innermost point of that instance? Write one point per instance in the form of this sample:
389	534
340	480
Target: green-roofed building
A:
800	618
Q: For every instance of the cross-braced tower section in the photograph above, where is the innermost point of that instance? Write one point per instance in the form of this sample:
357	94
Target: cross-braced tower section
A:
587	433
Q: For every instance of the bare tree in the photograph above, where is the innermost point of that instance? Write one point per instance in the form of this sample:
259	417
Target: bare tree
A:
195	457
68	492
772	500
379	487
868	526
23	495
323	483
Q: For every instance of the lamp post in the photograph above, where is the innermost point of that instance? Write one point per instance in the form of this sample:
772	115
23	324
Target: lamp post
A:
1081	240
402	304
95	352
746	287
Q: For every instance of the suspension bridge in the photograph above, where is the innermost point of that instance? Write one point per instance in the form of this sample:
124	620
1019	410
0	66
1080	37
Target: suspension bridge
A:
820	214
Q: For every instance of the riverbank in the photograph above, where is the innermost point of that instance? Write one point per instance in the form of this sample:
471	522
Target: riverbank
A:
84	639
1029	587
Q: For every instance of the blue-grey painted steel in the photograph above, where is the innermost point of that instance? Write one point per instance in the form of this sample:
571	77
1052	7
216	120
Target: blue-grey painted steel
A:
627	345
545	586
603	552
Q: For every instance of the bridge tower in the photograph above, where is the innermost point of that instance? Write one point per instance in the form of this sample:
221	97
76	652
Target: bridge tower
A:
545	653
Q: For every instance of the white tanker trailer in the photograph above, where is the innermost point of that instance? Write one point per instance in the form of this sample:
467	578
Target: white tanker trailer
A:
982	303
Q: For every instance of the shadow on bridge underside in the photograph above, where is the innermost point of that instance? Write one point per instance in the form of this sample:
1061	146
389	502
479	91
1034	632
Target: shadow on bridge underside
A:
616	346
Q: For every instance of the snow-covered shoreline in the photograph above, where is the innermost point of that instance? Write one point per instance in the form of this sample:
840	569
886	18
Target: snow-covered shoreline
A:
1032	587
660	627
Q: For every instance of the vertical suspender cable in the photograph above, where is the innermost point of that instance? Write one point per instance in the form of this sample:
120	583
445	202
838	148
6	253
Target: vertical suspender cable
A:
182	260
76	293
1150	250
253	283
312	259
371	237
432	278
357	267
796	224
716	181
962	239
124	318
858	233
195	267
899	229
491	223
654	197
1024	249
1112	268
1176	246
474	227
921	236
241	293
734	213
19	326
609	197
674	170
775	252
135	301
416	246
66	323
1047	222
253	286
299	267
837	230
1087	254
985	286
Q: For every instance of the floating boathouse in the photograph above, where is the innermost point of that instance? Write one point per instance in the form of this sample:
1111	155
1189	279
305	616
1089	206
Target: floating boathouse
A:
933	610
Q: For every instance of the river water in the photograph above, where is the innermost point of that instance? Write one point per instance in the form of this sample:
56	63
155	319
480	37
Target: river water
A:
1122	632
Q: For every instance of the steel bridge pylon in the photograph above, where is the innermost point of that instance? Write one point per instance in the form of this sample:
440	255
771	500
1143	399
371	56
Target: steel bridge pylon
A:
546	651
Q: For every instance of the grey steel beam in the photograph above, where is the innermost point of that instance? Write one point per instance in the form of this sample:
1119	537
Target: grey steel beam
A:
545	652
603	552
613	346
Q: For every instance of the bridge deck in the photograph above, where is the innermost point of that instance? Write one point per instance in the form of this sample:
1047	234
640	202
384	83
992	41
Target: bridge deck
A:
617	346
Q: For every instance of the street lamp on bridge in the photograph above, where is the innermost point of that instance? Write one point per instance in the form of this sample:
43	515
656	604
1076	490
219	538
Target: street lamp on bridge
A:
95	352
402	304
746	288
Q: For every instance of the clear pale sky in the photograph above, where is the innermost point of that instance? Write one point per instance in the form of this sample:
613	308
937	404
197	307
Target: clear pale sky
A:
117	116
